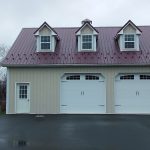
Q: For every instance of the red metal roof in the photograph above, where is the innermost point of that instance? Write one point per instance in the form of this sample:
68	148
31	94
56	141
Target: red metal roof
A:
23	51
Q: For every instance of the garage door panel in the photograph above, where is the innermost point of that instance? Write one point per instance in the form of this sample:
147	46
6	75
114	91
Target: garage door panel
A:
86	95
70	89
94	95
132	96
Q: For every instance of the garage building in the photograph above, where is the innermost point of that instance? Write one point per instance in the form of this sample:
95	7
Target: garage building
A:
85	70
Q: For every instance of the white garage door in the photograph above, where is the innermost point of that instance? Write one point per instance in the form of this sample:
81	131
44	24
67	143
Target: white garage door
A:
132	93
82	93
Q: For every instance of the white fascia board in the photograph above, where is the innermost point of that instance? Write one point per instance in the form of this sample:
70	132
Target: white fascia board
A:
37	33
120	33
52	33
137	31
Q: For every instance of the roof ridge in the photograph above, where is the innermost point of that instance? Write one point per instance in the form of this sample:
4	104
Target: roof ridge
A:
78	27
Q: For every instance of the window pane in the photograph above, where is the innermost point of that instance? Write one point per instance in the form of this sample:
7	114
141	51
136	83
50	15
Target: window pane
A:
22	91
86	41
127	77
45	45
45	38
129	44
144	77
129	37
90	77
86	45
87	38
76	77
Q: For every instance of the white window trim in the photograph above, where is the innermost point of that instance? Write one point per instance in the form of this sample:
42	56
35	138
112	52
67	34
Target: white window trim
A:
46	50
92	49
129	41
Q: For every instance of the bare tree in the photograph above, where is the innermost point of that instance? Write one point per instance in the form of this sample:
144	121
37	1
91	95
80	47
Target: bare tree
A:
3	51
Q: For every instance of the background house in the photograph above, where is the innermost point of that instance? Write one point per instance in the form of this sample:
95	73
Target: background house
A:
79	70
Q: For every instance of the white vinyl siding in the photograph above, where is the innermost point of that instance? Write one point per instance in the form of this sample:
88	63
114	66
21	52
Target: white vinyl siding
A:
45	85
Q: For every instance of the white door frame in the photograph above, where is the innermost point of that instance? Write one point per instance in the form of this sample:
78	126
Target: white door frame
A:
16	95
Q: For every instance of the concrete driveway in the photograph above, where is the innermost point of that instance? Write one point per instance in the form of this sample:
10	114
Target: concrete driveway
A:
75	132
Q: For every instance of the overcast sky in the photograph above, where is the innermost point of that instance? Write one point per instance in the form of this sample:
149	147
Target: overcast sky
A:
16	14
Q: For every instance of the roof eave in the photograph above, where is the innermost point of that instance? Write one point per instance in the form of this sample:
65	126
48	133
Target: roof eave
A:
72	65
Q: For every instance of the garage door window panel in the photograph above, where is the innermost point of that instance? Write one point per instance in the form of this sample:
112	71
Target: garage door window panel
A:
90	77
144	77
127	77
76	77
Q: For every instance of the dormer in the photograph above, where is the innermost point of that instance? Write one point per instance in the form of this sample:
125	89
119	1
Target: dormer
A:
128	37
86	37
46	38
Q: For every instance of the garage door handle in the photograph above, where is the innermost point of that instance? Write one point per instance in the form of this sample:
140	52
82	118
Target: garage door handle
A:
137	93
82	92
117	105
101	105
63	105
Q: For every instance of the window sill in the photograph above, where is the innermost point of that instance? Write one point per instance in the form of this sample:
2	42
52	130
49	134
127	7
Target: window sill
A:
87	50
46	50
129	50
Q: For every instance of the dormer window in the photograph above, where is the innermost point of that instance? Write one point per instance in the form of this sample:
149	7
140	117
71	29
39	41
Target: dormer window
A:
87	42
46	38
128	37
129	41
86	37
45	42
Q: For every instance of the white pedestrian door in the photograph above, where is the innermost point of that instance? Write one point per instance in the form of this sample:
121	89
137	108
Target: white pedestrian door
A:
22	98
